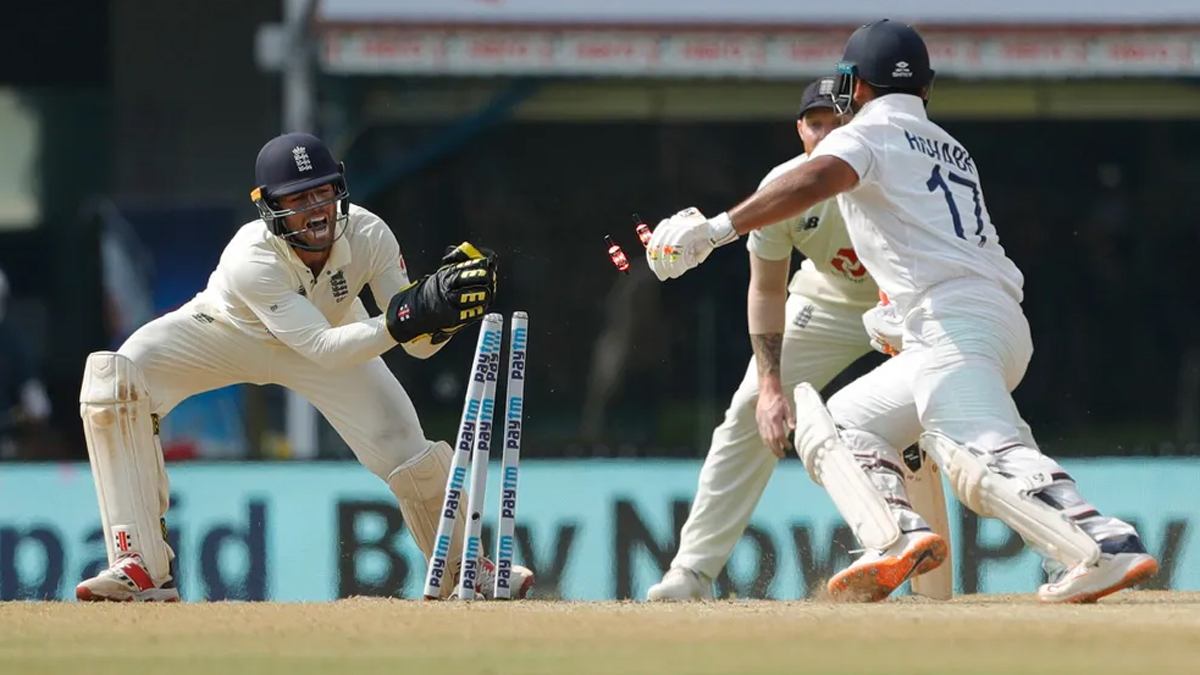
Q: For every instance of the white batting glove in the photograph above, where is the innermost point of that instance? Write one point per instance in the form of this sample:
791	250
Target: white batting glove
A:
685	240
885	327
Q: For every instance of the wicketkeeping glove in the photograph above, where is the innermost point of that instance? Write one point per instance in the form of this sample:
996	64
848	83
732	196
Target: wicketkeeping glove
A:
467	251
457	254
455	296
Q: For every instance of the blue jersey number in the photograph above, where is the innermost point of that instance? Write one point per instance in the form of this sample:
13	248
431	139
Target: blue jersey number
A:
937	181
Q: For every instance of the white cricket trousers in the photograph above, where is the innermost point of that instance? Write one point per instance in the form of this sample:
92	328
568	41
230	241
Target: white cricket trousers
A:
820	340
966	348
186	352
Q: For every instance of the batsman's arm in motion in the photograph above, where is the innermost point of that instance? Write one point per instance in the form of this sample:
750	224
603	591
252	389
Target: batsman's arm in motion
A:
818	179
681	243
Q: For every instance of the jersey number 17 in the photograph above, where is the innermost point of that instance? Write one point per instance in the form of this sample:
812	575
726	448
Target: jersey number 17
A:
937	181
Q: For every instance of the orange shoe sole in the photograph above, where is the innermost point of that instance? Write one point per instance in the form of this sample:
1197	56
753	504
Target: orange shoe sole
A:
876	581
1132	578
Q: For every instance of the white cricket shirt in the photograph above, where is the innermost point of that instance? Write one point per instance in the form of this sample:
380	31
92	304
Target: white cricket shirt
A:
831	270
917	217
261	286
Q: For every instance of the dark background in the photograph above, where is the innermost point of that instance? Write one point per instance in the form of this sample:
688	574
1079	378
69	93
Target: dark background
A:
157	116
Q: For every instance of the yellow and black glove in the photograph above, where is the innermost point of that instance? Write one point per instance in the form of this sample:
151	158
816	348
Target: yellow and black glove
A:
457	295
468	251
457	254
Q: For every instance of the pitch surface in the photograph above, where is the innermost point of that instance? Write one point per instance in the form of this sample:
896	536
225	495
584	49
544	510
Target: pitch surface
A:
1135	632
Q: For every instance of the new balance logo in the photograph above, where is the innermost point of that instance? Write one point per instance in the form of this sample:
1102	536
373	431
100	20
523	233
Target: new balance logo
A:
300	154
340	288
202	317
301	291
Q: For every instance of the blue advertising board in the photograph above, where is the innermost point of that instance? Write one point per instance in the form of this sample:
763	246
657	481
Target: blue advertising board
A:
591	529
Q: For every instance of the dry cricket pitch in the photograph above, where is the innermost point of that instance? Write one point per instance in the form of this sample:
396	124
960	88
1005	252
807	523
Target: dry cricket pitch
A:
1136	632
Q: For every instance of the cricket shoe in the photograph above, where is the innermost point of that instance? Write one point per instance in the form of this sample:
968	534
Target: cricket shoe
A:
520	581
127	580
1123	563
877	573
681	584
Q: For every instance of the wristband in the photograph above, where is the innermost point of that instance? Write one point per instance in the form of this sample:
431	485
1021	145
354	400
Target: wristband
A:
721	230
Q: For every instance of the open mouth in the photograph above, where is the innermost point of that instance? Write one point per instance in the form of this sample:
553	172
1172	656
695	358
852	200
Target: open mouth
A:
318	227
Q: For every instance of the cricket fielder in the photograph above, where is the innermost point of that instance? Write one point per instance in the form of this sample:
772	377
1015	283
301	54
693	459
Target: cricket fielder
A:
808	330
282	308
915	210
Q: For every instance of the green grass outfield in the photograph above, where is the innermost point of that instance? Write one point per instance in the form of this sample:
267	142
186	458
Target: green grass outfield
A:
1134	632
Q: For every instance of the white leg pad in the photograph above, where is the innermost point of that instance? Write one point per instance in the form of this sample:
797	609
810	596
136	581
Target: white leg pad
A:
832	465
127	462
995	496
420	487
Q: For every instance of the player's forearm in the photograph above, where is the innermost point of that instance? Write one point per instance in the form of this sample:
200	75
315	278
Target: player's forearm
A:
785	197
767	350
792	193
386	284
344	346
766	319
384	287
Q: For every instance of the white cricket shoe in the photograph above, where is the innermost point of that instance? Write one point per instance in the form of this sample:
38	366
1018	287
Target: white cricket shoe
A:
521	580
877	573
1124	562
127	580
681	584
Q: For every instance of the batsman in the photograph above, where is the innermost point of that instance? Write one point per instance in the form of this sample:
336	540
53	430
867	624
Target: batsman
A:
807	330
282	307
965	337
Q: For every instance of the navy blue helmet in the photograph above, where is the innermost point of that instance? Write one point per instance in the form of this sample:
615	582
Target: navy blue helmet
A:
818	94
888	55
290	164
